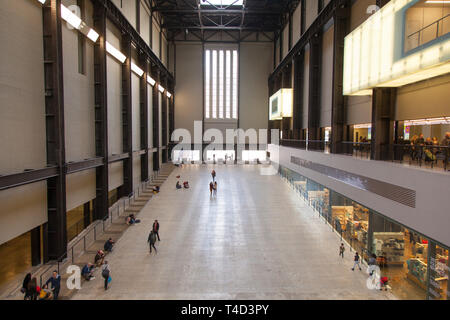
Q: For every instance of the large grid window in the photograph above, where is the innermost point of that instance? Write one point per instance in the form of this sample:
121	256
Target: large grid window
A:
221	84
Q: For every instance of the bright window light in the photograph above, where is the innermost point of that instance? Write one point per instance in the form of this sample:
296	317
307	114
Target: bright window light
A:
151	81
214	84
115	53
168	94
221	83
207	83
137	70
222	2
228	85
42	1
92	35
70	17
235	84
161	88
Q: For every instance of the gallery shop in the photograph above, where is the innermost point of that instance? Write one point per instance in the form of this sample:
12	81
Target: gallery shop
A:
416	266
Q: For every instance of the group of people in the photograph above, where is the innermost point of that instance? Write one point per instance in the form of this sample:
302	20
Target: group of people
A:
371	262
185	184
429	147
213	184
33	291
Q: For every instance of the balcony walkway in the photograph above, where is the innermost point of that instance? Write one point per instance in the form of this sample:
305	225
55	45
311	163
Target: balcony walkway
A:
256	240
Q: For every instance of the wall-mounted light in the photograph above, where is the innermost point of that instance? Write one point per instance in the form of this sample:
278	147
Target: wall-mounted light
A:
151	81
137	70
70	17
161	88
115	53
168	94
92	35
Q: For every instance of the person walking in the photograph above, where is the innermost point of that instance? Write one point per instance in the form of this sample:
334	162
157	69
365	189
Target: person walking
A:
213	175
24	289
155	228
106	274
341	250
55	280
215	188
151	241
211	188
33	289
356	260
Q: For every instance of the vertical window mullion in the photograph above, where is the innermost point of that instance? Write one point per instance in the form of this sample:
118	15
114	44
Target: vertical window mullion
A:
207	83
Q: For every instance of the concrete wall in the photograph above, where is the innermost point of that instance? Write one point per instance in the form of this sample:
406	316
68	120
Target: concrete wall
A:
359	12
285	40
145	23
326	98
296	24
22	120
311	12
155	39
254	93
80	188
189	88
359	109
430	216
425	99
128	8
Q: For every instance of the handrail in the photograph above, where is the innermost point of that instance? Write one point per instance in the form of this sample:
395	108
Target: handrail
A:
437	21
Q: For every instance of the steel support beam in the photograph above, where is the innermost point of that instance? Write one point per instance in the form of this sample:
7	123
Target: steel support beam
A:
299	79
127	136
101	114
86	164
341	28
383	117
56	238
143	100
118	157
315	62
156	143
27	177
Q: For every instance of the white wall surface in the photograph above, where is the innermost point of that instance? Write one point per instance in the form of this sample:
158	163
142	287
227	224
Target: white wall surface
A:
115	175
80	188
145	23
425	99
311	12
135	112
78	94
359	109
189	88
128	8
256	62
155	40
19	213
431	214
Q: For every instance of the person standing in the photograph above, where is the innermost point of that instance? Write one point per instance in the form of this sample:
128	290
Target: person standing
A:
55	280
213	175
106	274
151	241
155	229
341	250
24	289
356	260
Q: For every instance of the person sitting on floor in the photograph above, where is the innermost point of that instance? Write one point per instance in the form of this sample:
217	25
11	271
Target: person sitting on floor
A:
99	257
131	219
186	185
108	245
46	293
86	272
155	189
178	185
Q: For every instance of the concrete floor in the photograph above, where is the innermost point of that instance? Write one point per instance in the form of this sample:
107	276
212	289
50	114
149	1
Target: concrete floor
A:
256	240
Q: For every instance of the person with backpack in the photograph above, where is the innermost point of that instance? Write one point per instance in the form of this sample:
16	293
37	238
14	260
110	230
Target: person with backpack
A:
357	263
341	250
106	274
151	241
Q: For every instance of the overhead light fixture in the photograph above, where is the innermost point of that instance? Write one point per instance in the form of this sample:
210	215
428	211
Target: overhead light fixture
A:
137	70
42	1
168	94
161	88
151	81
70	17
92	35
115	53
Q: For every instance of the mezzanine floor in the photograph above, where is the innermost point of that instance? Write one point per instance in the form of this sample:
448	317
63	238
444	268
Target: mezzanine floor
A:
256	240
